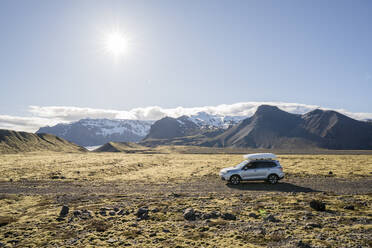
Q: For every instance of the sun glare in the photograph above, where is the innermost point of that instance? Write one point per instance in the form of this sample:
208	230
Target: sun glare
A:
116	44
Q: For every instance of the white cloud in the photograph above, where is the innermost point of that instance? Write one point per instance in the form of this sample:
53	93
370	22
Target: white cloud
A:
51	115
28	124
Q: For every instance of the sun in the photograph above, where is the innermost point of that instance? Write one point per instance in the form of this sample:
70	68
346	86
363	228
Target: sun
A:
116	44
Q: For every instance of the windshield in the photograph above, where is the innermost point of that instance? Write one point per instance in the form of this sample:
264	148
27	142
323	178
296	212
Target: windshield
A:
241	164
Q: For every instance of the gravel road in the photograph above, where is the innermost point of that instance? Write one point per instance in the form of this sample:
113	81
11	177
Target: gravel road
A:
202	186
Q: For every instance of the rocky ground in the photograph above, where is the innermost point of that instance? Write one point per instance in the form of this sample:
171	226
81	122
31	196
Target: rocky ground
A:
205	212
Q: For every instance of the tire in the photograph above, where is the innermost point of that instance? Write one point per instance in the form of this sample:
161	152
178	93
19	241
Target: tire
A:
273	179
235	179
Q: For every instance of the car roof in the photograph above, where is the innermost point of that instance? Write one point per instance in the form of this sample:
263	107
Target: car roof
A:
260	156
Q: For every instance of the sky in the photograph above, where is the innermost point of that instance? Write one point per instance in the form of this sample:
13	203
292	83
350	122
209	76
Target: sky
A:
181	54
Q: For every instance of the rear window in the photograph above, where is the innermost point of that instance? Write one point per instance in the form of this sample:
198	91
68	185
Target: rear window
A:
266	164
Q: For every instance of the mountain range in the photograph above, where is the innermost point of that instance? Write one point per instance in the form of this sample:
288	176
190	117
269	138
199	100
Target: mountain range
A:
269	127
93	132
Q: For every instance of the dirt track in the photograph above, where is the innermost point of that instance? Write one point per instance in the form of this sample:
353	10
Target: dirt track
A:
201	187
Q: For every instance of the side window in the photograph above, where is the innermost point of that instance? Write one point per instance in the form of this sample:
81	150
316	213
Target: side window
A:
271	164
251	165
261	165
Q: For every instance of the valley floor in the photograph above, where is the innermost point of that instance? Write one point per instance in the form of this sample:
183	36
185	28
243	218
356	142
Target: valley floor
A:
139	200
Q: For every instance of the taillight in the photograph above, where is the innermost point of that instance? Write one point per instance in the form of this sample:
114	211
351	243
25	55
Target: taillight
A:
280	168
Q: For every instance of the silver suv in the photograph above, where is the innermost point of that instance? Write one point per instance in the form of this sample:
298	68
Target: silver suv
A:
259	166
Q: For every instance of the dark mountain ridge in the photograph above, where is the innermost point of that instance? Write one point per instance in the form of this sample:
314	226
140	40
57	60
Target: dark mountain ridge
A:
273	128
14	142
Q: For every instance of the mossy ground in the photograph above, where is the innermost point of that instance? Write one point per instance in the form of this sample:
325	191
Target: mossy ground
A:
30	220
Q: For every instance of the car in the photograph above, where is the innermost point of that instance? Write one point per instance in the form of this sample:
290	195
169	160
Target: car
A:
258	166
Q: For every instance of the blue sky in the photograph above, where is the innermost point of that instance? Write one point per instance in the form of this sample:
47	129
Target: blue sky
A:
185	53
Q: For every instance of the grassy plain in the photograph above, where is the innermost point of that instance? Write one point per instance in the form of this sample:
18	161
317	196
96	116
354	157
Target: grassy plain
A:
164	167
30	219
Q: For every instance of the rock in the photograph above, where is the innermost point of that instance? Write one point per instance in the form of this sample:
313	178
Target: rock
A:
155	210
142	214
2	244
86	216
10	180
303	245
103	213
123	212
228	216
175	195
260	231
112	213
318	205
77	213
153	234
116	209
189	214
111	240
64	211
211	215
349	207
166	231
312	225
203	229
271	218
253	215
330	173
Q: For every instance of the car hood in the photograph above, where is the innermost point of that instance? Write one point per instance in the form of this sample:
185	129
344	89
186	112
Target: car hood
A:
224	170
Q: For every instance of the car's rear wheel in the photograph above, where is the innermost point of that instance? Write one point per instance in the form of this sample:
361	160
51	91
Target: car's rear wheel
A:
273	179
235	180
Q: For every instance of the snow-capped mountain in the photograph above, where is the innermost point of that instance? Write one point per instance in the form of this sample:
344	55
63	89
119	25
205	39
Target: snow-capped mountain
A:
92	132
204	119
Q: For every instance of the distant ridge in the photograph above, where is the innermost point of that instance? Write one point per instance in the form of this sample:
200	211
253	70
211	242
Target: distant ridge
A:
93	132
127	147
14	142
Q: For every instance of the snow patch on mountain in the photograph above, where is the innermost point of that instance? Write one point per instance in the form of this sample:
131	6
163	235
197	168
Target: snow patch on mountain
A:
204	119
106	127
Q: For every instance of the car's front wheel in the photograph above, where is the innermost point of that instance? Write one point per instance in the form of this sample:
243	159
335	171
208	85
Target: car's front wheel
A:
273	179
235	180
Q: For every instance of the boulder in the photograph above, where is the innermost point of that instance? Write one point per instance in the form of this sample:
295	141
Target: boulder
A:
303	245
271	218
189	214
349	207
64	211
142	214
77	213
228	216
253	215
211	215
318	205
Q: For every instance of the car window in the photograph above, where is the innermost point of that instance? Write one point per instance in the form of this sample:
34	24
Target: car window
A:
265	164
261	165
251	165
271	164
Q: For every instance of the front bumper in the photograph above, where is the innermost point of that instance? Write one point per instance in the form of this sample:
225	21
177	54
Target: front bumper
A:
224	177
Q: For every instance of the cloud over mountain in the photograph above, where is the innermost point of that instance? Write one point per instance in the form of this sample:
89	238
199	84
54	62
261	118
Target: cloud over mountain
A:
51	115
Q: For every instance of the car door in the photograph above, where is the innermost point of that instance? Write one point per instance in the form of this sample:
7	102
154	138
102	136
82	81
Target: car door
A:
262	169
249	171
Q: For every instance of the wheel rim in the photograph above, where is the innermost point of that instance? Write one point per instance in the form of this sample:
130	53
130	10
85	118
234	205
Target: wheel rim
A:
235	180
273	179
